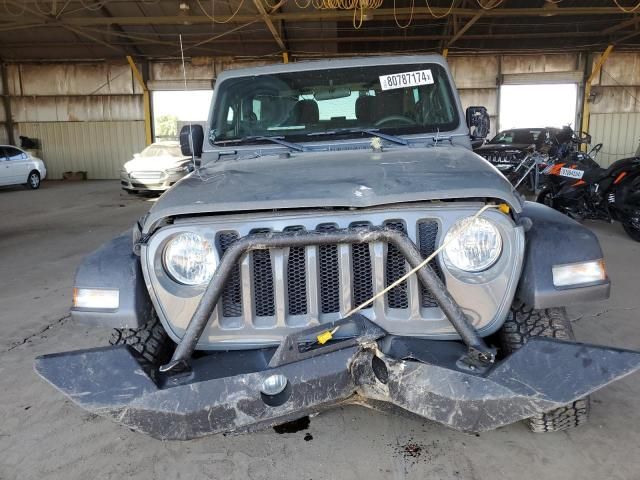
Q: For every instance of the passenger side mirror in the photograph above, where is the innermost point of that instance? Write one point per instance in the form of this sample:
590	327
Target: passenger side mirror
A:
191	140
478	122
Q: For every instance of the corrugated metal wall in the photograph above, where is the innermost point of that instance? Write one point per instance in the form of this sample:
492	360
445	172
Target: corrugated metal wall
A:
87	116
615	109
619	134
100	148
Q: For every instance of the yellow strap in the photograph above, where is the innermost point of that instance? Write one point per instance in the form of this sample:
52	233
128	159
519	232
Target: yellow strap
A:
324	337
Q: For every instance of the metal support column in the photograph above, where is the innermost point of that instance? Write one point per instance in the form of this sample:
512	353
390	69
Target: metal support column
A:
6	100
146	100
587	90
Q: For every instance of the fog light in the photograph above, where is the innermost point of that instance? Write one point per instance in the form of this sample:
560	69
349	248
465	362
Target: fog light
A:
274	384
96	299
575	274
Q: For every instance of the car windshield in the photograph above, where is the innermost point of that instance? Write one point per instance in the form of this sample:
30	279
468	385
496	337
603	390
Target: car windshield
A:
523	136
297	106
161	151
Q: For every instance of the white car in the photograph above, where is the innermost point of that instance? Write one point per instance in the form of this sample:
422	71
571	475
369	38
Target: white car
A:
19	167
156	168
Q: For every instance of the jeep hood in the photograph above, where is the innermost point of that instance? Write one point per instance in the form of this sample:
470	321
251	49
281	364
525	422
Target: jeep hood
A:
351	178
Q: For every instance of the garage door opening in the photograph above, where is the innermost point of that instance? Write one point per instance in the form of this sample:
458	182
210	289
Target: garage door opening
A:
173	109
528	106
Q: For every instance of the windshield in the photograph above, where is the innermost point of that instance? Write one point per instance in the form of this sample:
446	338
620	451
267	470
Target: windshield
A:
161	151
396	99
525	137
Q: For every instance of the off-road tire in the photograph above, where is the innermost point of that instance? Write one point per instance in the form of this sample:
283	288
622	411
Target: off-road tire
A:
150	341
524	323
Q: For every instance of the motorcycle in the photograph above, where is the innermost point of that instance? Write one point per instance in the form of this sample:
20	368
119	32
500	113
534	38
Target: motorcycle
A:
575	184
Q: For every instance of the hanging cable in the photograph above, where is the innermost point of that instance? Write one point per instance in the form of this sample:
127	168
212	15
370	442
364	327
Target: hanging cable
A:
211	17
440	16
6	7
627	10
395	17
36	3
96	5
484	7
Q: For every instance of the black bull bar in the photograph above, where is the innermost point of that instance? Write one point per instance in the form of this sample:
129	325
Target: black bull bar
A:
458	385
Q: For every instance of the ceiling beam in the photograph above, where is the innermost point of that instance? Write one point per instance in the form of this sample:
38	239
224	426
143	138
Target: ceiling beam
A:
269	23
466	27
361	39
132	45
622	25
626	37
311	15
18	26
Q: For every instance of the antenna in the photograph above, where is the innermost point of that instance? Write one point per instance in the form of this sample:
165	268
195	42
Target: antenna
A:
184	78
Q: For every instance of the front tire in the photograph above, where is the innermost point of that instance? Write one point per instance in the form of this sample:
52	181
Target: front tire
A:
150	341
545	197
33	180
524	323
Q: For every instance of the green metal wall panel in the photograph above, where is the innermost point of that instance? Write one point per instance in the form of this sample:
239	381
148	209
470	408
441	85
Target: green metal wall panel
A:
99	148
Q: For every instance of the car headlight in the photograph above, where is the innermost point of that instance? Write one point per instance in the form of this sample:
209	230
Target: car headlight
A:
189	259
184	168
472	244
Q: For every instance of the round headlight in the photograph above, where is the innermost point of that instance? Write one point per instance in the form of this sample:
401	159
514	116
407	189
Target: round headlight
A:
473	245
189	259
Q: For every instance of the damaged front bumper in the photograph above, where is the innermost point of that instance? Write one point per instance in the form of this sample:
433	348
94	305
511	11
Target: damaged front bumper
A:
223	391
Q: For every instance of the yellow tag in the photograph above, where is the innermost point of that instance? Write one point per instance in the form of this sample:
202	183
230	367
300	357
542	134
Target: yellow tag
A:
504	208
324	337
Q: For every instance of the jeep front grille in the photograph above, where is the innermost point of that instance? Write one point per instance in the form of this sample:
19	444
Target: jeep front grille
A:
273	292
397	297
296	278
338	277
427	235
502	158
232	295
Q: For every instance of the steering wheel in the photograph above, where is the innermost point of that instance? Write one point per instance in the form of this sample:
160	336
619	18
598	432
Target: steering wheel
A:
395	118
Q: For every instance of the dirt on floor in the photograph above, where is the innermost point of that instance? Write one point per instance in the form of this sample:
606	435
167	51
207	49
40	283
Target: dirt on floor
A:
43	236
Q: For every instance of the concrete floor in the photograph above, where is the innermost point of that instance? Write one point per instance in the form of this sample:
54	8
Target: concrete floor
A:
43	236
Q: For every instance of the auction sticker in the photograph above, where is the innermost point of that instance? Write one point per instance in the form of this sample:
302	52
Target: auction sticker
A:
571	173
407	79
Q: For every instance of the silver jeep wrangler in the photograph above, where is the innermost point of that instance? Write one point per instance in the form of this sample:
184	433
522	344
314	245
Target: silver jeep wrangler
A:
338	243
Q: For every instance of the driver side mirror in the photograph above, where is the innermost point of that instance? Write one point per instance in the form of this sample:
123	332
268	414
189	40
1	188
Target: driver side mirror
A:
191	140
478	122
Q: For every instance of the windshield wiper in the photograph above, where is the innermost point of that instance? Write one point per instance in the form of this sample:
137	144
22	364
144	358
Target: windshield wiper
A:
278	140
374	132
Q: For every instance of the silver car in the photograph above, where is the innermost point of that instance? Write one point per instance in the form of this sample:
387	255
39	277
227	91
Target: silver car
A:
156	168
18	167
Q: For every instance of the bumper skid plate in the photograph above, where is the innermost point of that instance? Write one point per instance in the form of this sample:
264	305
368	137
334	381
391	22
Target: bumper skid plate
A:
222	391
